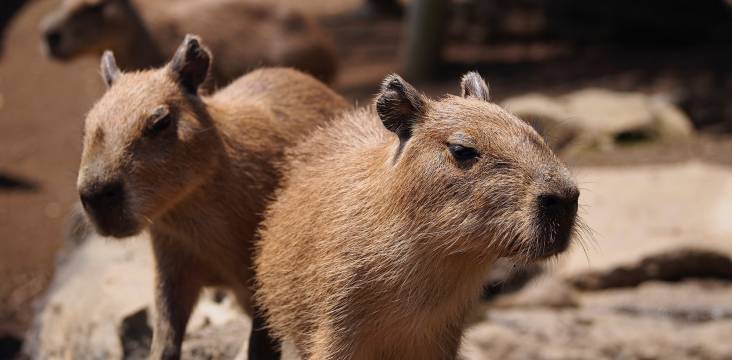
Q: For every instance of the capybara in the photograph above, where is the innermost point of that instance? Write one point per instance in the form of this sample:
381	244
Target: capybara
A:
388	219
196	171
243	35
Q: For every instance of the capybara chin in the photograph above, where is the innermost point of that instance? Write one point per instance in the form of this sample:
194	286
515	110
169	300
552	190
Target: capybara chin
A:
195	170
389	218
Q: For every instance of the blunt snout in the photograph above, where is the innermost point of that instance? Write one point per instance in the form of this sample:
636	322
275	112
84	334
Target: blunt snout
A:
557	213
106	204
102	197
559	203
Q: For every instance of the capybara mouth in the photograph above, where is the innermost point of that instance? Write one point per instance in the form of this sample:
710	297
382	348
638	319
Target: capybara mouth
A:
106	206
556	216
114	225
555	239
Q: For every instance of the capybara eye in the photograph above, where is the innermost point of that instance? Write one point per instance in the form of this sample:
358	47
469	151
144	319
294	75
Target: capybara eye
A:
159	125
462	153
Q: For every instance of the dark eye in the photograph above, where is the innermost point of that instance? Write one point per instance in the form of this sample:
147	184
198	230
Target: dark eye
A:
159	125
462	153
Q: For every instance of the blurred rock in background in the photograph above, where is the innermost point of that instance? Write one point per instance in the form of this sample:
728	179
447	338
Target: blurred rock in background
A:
601	119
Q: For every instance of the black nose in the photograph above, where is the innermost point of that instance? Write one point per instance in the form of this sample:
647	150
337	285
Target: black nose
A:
559	203
102	197
53	38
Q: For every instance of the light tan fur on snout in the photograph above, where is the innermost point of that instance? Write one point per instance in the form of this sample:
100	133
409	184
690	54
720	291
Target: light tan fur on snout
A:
198	179
243	35
379	239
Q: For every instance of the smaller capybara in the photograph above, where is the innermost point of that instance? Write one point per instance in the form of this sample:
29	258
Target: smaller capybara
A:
242	34
196	171
388	219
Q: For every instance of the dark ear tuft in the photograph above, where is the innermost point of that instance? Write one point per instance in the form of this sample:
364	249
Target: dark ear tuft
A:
474	85
399	106
110	71
190	64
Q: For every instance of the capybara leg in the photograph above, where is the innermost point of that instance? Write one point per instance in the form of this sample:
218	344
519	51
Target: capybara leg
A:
176	293
262	345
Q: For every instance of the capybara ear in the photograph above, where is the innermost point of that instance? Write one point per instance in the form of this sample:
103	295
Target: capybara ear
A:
474	85
399	106
190	64
110	71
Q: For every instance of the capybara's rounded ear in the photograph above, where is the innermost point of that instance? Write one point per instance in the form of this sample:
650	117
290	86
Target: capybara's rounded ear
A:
190	64
399	106
472	85
110	71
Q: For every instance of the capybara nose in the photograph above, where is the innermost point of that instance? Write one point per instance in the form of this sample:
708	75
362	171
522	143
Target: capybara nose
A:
98	198
559	203
53	38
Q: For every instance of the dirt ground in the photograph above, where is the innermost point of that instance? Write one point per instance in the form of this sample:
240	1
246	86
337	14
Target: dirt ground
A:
42	106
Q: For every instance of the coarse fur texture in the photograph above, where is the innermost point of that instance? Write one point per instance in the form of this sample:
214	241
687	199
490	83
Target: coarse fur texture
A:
195	170
388	219
242	34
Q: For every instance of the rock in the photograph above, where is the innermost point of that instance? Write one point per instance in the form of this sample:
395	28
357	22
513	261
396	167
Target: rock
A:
549	117
607	112
654	321
98	284
99	306
216	342
547	292
599	118
646	210
682	301
671	122
672	265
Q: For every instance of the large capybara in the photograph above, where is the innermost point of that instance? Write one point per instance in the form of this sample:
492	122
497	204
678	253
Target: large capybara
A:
243	35
196	171
387	221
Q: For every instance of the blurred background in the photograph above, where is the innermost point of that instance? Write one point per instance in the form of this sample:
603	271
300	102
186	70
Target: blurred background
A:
633	95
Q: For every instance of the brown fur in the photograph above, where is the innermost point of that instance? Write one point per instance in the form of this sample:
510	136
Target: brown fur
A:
378	242
243	35
200	185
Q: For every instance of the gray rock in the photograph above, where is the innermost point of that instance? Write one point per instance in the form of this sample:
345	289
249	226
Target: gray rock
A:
601	119
654	321
99	306
671	265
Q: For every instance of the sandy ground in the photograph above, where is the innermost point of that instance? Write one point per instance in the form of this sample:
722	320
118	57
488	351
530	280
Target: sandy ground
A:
42	105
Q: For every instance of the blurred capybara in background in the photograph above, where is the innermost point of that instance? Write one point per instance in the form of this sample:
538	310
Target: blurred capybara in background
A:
242	35
387	221
196	171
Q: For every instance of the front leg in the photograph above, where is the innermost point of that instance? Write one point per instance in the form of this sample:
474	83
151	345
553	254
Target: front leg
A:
262	345
176	291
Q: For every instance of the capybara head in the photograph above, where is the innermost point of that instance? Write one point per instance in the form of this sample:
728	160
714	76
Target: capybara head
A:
87	27
480	179
148	142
